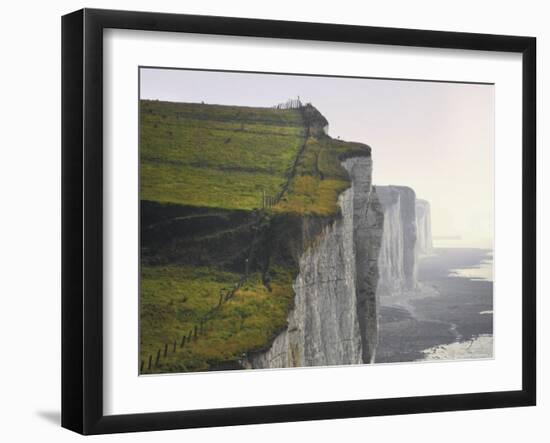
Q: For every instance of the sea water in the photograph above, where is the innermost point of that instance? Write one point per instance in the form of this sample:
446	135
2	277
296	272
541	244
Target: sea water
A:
480	347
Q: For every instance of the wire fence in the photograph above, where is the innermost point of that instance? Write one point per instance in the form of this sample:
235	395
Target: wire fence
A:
197	330
290	104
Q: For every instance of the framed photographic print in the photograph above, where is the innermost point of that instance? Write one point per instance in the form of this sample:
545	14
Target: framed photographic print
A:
269	221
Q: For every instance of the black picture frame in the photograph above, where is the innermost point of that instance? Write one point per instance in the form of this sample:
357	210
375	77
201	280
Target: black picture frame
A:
82	220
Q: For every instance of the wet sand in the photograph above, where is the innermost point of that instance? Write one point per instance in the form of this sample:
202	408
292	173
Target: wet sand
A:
451	317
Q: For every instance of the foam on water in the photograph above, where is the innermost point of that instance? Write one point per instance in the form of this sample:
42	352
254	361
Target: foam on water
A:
484	271
479	347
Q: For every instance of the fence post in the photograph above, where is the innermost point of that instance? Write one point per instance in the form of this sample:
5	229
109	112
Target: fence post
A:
182	341
165	349
158	358
141	367
150	361
196	330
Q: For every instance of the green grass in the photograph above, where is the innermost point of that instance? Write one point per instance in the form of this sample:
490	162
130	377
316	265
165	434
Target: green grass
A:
215	156
175	298
316	184
227	156
206	187
319	177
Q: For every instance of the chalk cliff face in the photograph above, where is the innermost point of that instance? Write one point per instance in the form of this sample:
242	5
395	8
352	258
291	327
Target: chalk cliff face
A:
424	245
368	223
334	319
391	261
397	261
372	250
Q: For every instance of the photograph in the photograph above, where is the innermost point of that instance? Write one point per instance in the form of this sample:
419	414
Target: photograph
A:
297	220
280	222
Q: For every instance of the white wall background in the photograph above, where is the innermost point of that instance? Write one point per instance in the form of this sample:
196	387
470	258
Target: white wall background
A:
30	219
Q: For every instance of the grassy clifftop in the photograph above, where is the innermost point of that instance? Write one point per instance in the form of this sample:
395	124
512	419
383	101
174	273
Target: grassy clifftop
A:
224	193
229	157
215	156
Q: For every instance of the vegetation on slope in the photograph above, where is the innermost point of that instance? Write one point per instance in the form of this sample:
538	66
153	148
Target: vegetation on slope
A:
319	177
174	299
215	156
206	235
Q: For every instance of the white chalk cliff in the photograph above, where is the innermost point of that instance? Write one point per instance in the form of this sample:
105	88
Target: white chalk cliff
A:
335	320
424	244
397	262
372	250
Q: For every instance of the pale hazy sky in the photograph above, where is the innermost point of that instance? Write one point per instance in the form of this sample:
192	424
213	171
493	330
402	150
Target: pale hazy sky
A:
437	138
